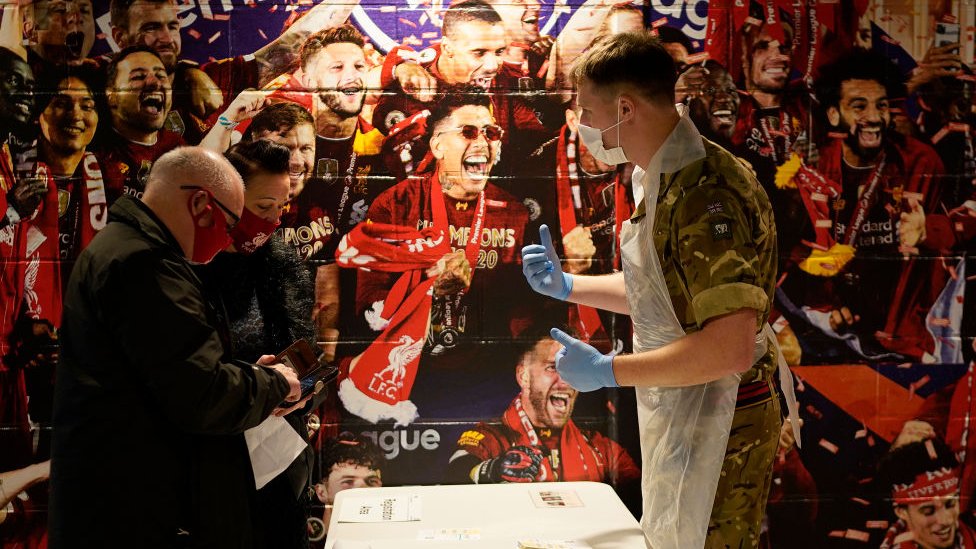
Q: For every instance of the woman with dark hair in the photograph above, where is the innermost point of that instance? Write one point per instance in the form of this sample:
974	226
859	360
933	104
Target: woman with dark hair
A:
268	297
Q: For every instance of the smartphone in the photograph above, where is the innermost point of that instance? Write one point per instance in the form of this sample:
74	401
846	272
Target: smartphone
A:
313	373
946	33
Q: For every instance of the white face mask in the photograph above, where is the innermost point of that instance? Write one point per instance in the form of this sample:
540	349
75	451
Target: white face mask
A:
593	139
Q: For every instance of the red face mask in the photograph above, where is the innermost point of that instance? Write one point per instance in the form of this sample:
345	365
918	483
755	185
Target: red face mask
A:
208	241
251	232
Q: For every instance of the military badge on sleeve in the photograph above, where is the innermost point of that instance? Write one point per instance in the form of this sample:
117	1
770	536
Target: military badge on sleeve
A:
722	231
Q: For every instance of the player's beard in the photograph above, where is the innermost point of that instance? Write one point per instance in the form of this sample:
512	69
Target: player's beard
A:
853	139
333	101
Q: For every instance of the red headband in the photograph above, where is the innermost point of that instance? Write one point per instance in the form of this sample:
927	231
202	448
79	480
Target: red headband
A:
928	485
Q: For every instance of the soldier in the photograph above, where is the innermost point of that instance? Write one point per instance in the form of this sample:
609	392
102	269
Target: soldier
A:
699	298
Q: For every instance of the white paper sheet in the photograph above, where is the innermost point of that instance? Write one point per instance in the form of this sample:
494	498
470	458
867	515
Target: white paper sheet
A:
273	445
399	508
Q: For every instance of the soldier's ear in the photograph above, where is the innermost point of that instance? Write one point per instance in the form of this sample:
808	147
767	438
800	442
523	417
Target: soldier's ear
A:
833	116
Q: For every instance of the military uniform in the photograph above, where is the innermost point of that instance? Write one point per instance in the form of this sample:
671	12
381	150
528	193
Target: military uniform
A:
716	241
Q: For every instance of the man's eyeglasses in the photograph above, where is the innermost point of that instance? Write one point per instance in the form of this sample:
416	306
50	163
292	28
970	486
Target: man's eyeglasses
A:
471	132
236	219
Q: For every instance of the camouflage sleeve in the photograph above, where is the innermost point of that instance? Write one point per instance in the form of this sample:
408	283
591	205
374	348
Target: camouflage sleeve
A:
717	253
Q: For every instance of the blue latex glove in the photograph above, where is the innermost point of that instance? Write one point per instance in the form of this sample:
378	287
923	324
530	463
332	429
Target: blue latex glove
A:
582	366
543	270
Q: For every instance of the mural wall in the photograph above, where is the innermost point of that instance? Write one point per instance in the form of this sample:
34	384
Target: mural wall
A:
857	118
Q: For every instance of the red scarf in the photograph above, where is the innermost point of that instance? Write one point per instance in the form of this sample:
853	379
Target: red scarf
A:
900	537
380	379
585	319
11	250
576	459
42	280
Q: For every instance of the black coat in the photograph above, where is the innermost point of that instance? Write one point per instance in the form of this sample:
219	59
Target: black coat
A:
268	296
148	417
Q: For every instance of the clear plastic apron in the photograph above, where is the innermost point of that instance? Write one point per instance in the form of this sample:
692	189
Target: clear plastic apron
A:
684	431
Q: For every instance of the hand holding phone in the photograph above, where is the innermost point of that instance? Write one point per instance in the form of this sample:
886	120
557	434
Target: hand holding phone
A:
946	34
313	374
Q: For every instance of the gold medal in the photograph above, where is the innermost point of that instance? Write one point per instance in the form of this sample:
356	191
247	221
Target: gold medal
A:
64	200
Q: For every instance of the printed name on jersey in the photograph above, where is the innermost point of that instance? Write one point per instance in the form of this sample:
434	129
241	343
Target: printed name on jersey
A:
470	438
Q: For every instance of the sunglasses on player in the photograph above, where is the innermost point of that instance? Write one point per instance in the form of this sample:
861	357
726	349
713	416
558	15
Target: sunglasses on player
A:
471	132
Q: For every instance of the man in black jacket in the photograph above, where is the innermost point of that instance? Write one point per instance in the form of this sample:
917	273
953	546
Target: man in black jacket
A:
147	414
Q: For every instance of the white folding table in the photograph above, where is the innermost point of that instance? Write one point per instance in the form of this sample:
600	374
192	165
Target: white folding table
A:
496	516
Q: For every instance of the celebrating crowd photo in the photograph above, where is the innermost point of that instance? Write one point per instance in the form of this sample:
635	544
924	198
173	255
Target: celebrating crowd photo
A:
714	254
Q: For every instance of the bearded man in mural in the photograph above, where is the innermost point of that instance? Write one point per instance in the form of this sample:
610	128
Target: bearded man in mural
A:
156	23
139	95
772	115
439	250
924	480
470	52
866	199
537	439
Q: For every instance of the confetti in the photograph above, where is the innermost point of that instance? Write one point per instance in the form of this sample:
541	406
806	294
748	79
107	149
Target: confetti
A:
214	38
905	365
858	535
407	22
871	441
860	434
829	446
221	17
423	19
814	412
429	35
922	382
261	32
545	68
861	501
876	524
194	33
660	22
837	533
387	9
